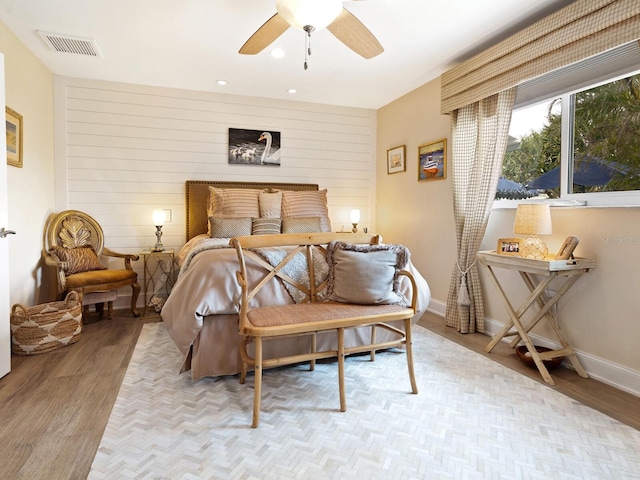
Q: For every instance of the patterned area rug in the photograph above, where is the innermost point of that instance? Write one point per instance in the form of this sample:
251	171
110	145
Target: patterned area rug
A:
473	418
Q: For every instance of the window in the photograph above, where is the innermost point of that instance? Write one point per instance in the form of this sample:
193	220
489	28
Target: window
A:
581	144
606	137
533	150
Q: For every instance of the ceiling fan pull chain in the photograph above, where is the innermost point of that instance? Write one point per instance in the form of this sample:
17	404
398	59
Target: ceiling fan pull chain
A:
307	44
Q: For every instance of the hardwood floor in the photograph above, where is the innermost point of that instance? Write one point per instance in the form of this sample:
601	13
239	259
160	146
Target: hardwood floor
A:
55	406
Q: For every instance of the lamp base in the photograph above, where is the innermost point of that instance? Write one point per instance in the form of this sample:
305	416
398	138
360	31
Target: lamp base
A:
158	246
534	248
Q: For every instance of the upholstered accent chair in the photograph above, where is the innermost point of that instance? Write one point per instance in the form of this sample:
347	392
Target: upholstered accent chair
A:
73	243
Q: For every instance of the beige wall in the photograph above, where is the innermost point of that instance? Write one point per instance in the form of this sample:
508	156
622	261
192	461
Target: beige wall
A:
29	91
600	313
417	214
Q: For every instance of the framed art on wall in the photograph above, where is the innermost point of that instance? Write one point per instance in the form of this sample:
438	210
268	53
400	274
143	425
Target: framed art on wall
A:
254	147
396	160
432	161
14	137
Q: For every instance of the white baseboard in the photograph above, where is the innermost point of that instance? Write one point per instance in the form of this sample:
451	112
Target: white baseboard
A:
437	307
605	371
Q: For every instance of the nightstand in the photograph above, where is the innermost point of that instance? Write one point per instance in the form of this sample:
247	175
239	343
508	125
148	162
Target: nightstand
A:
158	266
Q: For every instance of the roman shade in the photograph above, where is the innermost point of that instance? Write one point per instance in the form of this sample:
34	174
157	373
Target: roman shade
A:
578	31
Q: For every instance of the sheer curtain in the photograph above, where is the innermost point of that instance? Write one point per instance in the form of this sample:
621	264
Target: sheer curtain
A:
479	134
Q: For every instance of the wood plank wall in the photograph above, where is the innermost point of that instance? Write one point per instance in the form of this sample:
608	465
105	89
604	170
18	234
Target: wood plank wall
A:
125	150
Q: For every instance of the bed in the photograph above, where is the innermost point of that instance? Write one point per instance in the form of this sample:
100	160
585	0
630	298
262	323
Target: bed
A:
200	314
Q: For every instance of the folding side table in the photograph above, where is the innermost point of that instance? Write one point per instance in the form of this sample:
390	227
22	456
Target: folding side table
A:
537	275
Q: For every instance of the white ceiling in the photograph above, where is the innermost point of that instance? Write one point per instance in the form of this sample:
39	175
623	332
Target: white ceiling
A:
189	44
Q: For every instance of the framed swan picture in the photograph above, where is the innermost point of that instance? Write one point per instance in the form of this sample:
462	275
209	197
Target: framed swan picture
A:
254	147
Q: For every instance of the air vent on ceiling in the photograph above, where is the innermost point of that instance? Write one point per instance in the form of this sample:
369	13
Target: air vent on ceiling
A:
69	44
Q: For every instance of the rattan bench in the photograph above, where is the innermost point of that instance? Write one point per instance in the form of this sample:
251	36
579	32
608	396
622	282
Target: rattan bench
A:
311	315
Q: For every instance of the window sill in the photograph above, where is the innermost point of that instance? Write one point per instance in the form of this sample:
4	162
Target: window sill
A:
555	203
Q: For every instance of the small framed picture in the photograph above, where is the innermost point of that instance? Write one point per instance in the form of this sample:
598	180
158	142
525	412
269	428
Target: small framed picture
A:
432	161
14	137
509	246
396	160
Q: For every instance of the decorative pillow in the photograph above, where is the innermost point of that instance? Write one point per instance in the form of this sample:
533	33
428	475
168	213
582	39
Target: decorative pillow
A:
221	227
233	202
307	204
81	259
301	225
366	274
270	203
265	226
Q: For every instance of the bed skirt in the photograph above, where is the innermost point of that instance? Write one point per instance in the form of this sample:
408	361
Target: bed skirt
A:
214	362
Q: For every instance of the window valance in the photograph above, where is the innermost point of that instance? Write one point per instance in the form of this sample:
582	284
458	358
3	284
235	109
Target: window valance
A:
578	31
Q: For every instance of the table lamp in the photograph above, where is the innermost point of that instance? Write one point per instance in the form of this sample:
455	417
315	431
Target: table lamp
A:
158	221
533	219
355	218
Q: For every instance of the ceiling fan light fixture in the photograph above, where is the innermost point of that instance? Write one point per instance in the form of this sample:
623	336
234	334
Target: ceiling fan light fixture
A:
316	13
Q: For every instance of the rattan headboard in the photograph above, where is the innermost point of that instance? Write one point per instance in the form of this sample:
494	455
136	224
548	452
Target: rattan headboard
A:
197	192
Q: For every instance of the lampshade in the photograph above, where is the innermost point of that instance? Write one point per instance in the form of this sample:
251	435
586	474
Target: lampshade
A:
533	219
158	217
317	13
355	215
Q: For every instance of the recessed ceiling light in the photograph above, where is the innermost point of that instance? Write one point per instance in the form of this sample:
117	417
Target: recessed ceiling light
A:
292	90
277	53
221	82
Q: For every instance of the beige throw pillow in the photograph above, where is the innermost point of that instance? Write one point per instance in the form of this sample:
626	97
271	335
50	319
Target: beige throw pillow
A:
270	203
301	225
307	204
229	227
366	274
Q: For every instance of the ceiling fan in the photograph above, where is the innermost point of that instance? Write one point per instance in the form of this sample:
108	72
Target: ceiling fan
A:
310	16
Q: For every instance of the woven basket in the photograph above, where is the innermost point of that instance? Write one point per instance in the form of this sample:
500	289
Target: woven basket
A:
523	353
46	327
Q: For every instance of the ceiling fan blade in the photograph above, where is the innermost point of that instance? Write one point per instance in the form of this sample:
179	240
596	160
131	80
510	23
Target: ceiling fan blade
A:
350	31
265	35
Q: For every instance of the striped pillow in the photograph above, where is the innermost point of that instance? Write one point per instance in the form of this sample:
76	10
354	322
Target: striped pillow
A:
265	226
307	204
233	202
229	227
